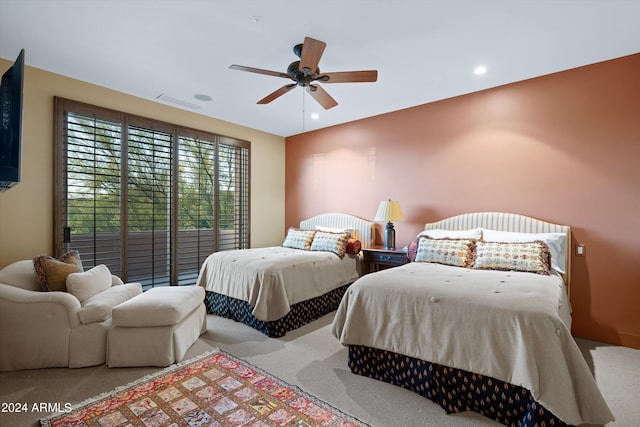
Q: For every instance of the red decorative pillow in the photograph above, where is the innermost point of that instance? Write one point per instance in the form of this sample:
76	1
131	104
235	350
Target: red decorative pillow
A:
412	250
354	246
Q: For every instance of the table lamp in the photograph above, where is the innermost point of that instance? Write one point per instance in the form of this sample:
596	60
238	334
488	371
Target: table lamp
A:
389	210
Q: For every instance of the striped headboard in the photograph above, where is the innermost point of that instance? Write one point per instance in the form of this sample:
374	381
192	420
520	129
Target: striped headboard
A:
507	222
363	230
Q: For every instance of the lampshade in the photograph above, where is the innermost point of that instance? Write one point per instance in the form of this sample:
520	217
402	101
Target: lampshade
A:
389	210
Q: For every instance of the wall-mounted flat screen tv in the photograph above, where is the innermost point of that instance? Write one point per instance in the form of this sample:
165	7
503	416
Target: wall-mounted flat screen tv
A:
11	124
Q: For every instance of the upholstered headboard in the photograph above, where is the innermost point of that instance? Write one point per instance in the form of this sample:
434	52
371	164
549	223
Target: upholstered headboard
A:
362	230
507	222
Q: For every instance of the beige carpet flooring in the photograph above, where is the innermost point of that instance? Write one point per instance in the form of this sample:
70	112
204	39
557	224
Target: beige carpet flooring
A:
311	358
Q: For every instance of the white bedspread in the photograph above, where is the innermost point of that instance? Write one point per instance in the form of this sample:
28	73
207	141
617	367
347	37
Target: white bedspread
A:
515	327
272	279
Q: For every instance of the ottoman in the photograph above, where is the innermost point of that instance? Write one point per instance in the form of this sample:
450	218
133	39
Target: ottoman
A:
157	327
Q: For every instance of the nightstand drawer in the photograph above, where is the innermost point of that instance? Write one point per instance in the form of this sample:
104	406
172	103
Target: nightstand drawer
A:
387	258
378	258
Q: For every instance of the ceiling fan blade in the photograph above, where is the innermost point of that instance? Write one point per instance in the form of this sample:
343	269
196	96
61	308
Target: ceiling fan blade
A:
312	50
349	77
260	71
322	96
276	94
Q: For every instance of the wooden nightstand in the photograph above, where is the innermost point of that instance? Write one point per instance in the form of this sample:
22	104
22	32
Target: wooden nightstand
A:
377	258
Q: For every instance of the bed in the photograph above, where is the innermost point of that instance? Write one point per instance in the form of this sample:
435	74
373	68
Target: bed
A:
470	333
280	288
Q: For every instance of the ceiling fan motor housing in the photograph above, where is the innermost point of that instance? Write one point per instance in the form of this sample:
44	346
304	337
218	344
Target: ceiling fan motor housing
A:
299	77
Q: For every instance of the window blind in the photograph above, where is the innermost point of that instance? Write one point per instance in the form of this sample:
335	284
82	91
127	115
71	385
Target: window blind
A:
92	181
233	206
149	199
149	205
196	214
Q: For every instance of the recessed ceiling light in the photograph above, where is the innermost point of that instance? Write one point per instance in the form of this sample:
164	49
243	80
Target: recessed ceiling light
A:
480	70
315	116
202	97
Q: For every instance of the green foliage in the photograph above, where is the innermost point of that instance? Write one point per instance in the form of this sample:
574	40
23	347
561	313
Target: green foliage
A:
94	185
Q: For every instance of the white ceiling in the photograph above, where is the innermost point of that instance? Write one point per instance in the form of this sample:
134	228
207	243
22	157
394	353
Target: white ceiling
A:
423	50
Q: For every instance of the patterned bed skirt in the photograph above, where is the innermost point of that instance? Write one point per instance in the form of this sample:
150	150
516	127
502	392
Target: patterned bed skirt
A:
454	390
301	313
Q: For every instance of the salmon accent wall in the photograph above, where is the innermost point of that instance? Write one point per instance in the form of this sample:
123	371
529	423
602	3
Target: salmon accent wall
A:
564	148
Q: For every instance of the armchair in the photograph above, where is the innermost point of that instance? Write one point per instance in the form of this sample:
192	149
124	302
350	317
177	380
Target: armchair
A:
54	329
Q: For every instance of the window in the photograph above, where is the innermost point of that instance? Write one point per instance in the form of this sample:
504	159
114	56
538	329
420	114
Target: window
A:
149	199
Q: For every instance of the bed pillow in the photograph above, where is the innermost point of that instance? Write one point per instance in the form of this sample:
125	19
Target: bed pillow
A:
557	243
52	273
330	242
456	252
532	257
438	233
299	239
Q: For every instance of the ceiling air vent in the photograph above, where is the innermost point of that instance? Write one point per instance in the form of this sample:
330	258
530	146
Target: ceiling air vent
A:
167	98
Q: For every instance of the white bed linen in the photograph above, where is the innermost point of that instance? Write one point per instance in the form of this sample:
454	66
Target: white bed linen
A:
274	278
512	326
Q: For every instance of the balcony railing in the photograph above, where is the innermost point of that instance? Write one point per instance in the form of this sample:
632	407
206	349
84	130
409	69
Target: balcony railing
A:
148	254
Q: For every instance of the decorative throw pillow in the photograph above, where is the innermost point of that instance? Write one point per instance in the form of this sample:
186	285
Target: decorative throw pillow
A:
89	283
557	243
299	239
52	273
412	249
456	252
331	242
531	257
349	231
354	246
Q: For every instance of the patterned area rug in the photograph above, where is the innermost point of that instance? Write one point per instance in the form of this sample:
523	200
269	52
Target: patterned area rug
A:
214	389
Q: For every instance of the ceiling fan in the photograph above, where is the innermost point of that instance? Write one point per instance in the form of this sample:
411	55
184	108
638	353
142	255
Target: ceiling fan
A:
305	72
